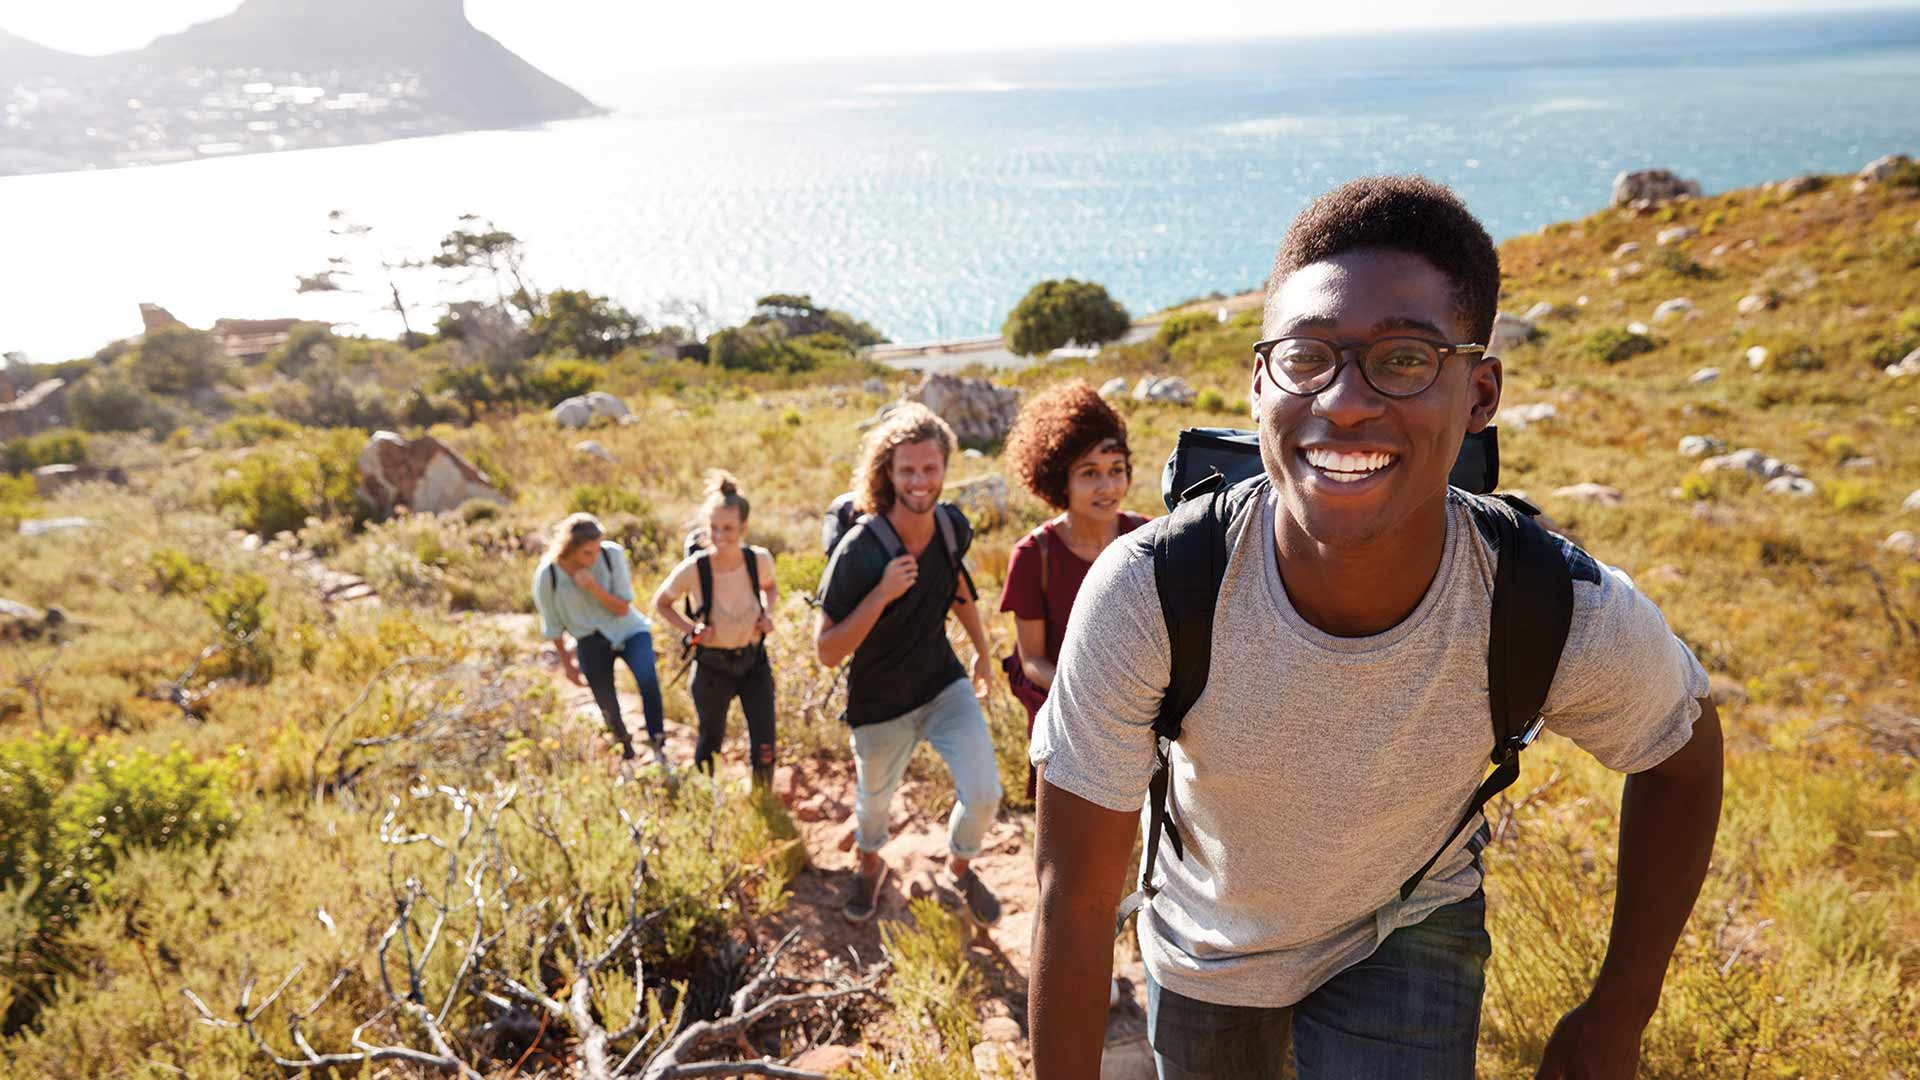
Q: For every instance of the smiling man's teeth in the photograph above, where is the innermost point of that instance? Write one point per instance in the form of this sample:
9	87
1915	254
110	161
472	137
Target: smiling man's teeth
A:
1348	467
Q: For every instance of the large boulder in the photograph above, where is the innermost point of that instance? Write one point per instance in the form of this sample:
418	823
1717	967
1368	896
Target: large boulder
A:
979	412
1649	186
578	412
22	622
1114	387
35	409
984	499
425	475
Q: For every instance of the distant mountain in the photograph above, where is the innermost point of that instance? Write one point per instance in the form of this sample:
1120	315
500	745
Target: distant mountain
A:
18	56
468	75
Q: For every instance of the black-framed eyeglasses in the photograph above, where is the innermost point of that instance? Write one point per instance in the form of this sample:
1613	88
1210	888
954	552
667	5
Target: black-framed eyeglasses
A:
1399	367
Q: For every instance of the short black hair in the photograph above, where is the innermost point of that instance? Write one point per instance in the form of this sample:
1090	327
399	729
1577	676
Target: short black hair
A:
1400	213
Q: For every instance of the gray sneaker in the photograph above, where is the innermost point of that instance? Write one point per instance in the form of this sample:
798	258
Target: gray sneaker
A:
864	898
981	903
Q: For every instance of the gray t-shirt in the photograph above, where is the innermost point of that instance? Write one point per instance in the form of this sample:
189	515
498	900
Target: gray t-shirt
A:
1317	773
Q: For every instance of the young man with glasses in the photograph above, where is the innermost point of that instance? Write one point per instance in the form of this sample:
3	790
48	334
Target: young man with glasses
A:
1344	725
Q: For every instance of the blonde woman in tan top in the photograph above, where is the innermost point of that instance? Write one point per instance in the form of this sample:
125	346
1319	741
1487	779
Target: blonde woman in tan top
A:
730	591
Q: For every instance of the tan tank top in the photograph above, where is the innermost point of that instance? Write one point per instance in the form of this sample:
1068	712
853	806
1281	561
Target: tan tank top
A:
735	609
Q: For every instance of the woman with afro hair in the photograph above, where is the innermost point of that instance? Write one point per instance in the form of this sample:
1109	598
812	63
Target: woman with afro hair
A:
1069	448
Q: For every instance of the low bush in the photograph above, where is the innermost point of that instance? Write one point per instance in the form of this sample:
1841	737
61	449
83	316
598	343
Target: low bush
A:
1612	345
275	489
57	447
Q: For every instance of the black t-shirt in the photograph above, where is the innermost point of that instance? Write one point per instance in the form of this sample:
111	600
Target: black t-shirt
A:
905	660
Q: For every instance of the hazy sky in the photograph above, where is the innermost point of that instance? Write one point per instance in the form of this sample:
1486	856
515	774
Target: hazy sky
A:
598	43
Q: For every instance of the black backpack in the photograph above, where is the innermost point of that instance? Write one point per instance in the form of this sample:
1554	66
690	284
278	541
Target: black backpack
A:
703	569
1532	612
842	516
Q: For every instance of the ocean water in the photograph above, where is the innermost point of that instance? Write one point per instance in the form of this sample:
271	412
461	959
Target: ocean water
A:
926	196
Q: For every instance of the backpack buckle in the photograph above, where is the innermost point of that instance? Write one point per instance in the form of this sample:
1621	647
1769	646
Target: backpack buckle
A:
1517	743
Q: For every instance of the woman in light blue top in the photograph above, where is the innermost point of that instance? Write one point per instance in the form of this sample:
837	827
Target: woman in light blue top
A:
583	587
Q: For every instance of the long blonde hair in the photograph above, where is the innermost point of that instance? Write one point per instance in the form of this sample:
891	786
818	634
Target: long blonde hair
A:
908	423
572	531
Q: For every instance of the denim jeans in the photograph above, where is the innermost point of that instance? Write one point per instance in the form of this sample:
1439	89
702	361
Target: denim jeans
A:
953	725
1411	1009
596	665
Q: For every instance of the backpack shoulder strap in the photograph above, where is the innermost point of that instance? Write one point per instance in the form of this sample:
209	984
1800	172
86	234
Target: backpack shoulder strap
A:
606	558
944	514
882	529
553	579
753	578
703	568
1532	614
1189	563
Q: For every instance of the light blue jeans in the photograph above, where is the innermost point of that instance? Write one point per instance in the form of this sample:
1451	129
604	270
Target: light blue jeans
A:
954	726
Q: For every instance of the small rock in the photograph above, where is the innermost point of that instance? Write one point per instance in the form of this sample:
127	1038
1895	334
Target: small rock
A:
250	542
1541	310
1171	389
1901	543
1618	274
1590	492
1714	514
1518	417
592	448
972	454
1719	250
578	412
875	385
1113	387
1672	309
1908	365
825	1059
1638	328
1704	375
1757	357
1631	247
1797	486
1860	463
1912	503
1799	185
1700	445
994	1059
1650	186
1003	1029
1880	168
1752	303
1674	234
1508	331
43	526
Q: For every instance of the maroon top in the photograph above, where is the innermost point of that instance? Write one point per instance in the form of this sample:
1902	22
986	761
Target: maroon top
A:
1065	571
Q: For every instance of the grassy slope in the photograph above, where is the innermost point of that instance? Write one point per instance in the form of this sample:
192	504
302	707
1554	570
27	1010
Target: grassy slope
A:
1800	959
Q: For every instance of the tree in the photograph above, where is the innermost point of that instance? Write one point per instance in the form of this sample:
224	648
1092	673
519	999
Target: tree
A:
798	315
482	247
354	234
591	326
177	360
1055	313
308	344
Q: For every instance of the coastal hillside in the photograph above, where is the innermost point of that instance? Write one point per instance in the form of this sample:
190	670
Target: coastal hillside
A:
290	785
272	75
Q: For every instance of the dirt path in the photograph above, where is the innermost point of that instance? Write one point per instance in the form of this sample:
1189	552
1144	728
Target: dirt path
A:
820	795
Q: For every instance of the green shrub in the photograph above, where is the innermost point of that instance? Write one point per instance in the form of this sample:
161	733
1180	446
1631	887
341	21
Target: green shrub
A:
1855	495
1055	313
177	573
933	989
1680	264
175	360
1841	448
253	430
18	495
1611	345
474	511
276	488
1182	323
57	447
604	500
799	571
557	380
238	605
308	345
1211	400
1800	358
110	401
